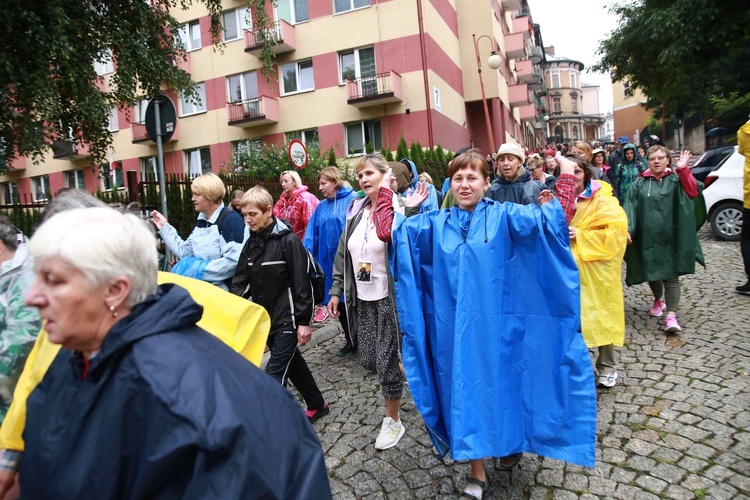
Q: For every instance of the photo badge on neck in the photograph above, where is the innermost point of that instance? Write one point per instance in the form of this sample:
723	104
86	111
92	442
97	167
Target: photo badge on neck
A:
364	271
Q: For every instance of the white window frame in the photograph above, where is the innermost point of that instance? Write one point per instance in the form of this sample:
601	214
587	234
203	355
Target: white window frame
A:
364	129
308	136
292	11
436	95
10	193
75	179
40	183
298	77
113	122
573	79
627	90
243	89
105	64
241	21
352	5
188	108
148	165
556	104
189	170
140	111
256	142
187	37
554	77
357	65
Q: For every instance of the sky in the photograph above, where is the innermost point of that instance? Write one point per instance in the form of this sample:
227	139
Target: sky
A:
575	28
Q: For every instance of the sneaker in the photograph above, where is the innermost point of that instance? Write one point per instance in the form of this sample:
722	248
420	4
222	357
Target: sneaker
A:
657	309
743	288
390	434
671	325
314	415
320	315
607	380
347	350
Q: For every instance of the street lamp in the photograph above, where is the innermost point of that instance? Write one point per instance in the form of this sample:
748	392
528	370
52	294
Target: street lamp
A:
494	62
546	127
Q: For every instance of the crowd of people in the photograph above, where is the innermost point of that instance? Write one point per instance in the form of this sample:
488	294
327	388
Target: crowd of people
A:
164	399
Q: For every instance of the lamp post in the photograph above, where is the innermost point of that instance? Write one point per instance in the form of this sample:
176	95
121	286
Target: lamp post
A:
494	62
546	128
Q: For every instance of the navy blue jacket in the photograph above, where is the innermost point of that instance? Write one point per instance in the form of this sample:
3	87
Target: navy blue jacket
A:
166	410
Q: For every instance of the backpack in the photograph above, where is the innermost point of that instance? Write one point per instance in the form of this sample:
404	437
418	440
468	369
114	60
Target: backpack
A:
317	279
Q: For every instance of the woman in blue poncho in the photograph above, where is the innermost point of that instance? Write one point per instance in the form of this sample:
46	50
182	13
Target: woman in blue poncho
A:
322	237
490	377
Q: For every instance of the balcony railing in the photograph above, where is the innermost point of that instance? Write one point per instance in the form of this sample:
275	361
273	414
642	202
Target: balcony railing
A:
68	149
253	112
374	90
140	136
281	35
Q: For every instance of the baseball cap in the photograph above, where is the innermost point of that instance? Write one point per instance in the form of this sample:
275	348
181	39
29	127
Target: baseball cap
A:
623	139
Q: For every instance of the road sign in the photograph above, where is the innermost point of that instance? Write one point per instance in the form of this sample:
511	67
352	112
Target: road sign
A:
167	114
298	154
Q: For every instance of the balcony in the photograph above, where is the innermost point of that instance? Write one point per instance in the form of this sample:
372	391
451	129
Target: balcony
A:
68	150
518	95
527	113
523	25
282	35
138	131
511	4
253	112
525	71
375	90
536	55
515	46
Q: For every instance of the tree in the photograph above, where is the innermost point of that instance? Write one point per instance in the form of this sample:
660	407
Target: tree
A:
49	89
402	150
680	52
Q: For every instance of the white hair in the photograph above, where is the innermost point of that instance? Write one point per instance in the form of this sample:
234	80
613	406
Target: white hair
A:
103	244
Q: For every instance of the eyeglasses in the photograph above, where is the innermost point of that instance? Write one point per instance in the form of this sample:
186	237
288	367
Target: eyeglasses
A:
657	158
531	169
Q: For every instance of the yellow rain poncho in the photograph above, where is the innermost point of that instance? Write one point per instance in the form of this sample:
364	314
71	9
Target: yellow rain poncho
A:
240	324
601	237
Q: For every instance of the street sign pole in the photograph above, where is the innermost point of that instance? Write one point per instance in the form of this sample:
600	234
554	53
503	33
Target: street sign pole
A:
160	158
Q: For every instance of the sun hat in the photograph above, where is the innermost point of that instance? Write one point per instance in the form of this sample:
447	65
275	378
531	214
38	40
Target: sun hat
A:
510	149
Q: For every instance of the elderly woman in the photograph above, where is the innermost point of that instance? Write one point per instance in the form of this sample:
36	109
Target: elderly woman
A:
211	251
19	324
489	378
273	273
535	165
322	238
663	244
140	397
513	183
361	273
598	237
296	204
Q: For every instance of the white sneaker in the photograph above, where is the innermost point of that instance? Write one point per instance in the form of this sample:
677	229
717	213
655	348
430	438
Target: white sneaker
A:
390	434
607	380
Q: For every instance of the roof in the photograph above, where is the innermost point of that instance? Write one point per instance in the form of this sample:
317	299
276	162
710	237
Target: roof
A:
554	59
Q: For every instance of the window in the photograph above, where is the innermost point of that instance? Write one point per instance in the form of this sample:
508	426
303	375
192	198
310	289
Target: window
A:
559	137
574	103
436	94
104	63
234	21
297	77
189	107
74	179
556	106
347	5
359	63
140	111
111	174
627	90
292	11
308	137
41	187
198	161
113	122
190	36
360	133
242	87
575	132
554	79
10	193
243	147
573	79
148	168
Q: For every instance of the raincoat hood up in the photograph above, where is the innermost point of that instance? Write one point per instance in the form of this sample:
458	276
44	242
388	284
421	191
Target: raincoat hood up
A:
166	411
488	377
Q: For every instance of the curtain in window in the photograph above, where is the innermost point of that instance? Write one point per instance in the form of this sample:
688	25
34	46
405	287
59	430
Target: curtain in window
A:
300	11
195	36
289	76
342	5
284	11
229	20
373	134
251	85
367	71
306	78
354	138
361	3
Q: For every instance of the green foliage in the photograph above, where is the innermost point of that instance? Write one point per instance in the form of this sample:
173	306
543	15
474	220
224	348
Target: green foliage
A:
680	52
24	218
384	152
331	157
415	154
440	154
732	109
429	155
402	150
261	159
389	156
369	148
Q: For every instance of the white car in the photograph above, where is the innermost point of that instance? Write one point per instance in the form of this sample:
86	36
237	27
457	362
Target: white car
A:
723	196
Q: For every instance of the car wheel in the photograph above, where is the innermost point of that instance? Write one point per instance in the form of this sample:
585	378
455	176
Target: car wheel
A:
726	221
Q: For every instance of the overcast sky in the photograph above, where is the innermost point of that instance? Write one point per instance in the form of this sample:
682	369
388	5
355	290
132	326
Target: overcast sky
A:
575	28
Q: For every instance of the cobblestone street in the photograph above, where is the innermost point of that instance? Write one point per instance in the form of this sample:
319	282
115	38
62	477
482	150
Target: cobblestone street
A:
675	426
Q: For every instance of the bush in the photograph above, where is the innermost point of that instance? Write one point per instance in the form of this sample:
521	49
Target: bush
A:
415	154
331	157
402	151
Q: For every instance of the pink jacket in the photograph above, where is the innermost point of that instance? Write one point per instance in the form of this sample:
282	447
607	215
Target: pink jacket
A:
297	209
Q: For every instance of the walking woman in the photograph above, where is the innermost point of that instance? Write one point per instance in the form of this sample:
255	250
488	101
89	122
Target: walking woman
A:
361	273
296	204
663	244
322	238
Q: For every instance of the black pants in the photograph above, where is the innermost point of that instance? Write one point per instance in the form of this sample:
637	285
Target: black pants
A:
286	364
344	322
745	240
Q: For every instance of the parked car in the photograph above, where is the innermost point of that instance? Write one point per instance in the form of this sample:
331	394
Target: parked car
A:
708	161
723	195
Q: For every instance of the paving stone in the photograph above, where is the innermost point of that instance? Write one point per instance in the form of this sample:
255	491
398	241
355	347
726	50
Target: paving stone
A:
651	483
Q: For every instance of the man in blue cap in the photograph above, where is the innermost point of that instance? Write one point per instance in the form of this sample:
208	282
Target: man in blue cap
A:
617	155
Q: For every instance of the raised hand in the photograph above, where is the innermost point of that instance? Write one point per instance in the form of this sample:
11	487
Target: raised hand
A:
683	161
546	196
566	166
386	182
416	197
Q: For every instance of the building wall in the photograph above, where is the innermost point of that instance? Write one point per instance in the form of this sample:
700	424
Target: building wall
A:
629	114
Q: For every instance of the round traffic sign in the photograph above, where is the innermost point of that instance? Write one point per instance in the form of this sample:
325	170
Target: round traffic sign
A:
298	154
167	117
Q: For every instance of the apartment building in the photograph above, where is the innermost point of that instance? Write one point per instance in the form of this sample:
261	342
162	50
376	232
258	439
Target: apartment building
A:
348	73
630	114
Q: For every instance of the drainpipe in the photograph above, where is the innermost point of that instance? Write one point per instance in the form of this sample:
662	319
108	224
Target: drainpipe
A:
428	100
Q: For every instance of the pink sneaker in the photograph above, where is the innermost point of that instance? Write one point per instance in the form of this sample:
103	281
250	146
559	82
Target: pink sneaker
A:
658	307
671	325
320	315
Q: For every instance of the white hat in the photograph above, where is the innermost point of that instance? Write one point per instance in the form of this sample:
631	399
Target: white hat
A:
510	149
